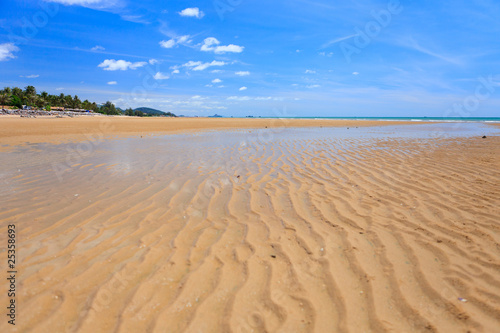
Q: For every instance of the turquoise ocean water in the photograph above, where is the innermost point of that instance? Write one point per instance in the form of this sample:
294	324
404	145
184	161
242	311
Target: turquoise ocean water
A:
430	119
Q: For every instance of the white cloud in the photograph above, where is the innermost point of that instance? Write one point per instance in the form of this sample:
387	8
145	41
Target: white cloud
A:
192	63
83	2
6	51
111	83
161	76
313	86
308	71
215	71
242	73
211	44
336	40
231	48
183	39
135	19
33	76
192	12
153	61
208	44
168	44
355	73
243	88
216	81
324	54
238	98
200	66
122	65
94	4
247	98
199	98
175	71
97	48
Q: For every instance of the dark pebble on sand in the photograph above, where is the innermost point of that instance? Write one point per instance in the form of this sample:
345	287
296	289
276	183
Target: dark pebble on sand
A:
484	136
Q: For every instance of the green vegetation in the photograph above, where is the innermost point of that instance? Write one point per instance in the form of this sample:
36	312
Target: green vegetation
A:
18	97
154	112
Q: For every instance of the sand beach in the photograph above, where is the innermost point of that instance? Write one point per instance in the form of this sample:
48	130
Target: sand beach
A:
251	225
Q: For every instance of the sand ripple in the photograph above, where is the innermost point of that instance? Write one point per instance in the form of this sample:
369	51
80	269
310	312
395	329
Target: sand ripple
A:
298	235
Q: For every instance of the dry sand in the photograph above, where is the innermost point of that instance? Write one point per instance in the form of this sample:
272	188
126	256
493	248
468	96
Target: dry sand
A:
357	235
15	130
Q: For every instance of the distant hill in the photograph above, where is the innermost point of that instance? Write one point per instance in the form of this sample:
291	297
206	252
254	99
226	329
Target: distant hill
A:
155	112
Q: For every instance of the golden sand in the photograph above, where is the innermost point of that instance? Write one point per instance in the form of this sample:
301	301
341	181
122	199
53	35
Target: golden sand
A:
320	235
15	130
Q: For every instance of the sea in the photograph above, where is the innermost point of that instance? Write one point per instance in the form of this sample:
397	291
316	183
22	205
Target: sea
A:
429	119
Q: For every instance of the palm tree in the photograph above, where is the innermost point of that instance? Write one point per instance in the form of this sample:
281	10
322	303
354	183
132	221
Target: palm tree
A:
43	98
17	92
61	100
76	102
68	101
30	94
4	98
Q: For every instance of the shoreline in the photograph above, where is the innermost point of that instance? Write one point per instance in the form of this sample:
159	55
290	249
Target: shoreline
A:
18	131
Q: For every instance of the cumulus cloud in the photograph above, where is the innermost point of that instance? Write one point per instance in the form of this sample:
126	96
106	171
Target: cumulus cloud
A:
175	71
216	81
168	44
7	51
200	66
120	65
112	83
153	61
242	73
192	12
182	40
211	44
309	71
160	76
243	88
33	76
97	48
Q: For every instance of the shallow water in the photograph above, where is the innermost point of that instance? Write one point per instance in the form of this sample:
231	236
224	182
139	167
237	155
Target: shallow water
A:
283	228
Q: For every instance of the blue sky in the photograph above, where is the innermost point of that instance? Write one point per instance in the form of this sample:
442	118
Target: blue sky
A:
265	58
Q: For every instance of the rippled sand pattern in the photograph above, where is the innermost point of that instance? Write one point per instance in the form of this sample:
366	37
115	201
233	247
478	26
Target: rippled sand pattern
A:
295	235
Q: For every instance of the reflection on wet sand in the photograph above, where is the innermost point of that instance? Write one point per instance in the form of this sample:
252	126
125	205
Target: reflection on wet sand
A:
298	230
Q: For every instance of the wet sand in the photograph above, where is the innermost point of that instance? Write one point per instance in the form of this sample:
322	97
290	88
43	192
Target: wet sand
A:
310	230
15	130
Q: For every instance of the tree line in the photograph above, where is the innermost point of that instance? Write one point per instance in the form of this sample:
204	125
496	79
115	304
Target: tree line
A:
18	97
